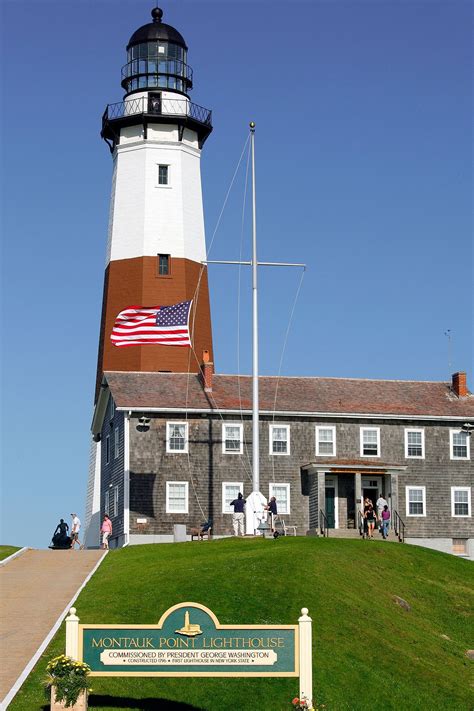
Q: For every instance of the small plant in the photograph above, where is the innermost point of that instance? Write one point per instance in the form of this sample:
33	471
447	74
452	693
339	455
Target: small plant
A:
301	704
68	677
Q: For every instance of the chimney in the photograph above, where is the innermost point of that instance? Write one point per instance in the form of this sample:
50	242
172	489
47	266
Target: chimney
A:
459	384
207	369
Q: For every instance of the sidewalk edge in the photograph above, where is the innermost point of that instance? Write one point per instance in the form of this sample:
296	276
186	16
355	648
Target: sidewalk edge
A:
27	670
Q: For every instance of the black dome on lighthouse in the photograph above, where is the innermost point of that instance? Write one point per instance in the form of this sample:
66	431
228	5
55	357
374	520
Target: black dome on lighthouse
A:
156	30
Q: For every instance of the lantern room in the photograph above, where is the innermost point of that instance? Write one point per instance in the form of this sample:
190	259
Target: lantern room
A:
156	58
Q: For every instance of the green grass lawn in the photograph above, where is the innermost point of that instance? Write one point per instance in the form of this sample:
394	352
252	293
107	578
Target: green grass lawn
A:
5	551
367	650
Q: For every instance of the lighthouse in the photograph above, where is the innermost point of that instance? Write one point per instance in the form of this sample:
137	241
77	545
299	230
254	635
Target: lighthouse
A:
156	240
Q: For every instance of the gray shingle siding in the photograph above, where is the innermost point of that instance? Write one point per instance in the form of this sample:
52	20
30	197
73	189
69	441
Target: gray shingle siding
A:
112	473
207	467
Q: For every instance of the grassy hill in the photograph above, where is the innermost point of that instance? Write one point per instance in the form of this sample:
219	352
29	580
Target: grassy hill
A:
367	650
6	551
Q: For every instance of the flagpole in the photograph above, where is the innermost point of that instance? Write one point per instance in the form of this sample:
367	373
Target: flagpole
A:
255	403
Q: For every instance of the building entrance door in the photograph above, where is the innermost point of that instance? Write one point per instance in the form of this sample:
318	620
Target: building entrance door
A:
331	506
372	494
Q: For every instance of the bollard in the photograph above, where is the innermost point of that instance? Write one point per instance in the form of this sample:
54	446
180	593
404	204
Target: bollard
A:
306	661
72	635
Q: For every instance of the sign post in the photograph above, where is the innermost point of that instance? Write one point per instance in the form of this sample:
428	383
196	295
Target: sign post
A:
189	641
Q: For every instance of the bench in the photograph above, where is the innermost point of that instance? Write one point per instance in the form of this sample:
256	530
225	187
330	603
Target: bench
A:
199	534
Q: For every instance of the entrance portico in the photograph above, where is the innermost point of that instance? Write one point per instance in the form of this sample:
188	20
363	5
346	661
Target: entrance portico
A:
338	488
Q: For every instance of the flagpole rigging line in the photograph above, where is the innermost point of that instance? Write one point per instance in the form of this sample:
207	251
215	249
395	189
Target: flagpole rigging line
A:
217	410
290	320
195	302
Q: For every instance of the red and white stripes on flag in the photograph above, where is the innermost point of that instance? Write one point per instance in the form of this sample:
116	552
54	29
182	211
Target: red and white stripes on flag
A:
144	325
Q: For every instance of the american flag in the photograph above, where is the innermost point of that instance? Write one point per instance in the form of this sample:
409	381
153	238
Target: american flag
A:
143	325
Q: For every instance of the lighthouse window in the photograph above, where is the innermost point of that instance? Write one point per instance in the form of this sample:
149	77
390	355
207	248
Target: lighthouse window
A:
163	265
163	174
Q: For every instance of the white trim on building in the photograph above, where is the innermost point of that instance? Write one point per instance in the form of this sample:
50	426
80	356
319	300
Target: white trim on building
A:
279	445
183	489
416	500
323	443
462	501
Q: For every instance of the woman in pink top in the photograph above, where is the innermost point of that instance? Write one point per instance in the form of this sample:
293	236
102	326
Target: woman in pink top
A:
106	530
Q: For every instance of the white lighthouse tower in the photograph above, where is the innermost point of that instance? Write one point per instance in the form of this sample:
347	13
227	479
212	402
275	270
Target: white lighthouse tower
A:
156	241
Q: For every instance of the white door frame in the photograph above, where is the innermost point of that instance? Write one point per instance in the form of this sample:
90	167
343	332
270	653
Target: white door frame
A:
331	480
366	485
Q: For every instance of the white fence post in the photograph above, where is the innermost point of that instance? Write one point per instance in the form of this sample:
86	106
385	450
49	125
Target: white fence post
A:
306	657
72	634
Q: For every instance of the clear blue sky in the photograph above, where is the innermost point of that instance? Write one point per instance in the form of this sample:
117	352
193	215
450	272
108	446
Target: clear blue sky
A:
364	115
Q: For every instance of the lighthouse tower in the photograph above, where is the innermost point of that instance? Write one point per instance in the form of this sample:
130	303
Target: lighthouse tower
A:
156	241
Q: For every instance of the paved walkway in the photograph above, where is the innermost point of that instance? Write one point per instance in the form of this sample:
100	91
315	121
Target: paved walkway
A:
34	590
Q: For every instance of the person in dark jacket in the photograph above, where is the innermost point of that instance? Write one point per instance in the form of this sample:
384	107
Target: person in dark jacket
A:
272	510
238	515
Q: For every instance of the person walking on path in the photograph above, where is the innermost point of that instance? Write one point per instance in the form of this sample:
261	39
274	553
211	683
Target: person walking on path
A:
385	521
371	517
75	528
238	515
106	531
380	503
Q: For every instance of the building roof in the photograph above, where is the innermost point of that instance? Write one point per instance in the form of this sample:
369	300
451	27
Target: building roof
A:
162	391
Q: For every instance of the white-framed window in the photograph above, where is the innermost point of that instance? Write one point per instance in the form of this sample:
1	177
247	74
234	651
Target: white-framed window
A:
414	443
116	443
107	449
281	492
107	502
326	440
177	497
163	174
230	491
232	438
459	445
416	500
112	408
115	502
279	439
370	441
461	501
177	437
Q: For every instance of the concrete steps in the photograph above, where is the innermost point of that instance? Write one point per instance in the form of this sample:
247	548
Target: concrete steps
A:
36	587
354	533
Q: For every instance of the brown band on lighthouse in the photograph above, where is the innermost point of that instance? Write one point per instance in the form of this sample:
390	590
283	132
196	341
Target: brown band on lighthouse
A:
135	282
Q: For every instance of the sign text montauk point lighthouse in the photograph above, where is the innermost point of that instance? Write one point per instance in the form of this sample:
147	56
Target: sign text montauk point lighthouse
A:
156	243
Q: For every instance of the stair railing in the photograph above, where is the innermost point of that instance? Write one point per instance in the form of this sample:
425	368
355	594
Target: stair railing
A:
399	526
323	524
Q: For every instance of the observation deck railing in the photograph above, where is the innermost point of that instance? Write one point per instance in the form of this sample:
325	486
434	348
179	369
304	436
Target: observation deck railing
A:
145	105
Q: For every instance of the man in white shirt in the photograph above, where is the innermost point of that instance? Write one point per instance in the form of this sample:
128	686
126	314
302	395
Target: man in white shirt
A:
75	528
380	503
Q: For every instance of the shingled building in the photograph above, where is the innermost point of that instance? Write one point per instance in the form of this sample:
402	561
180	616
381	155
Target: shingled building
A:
176	448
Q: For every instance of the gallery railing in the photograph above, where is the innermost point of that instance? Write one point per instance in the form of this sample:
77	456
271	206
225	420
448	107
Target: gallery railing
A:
157	106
